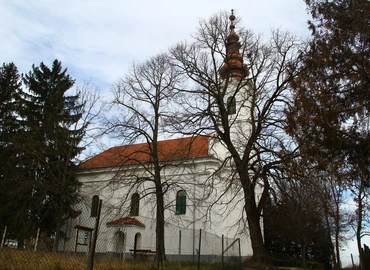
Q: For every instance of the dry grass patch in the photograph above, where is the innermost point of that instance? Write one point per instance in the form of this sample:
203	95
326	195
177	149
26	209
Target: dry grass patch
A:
12	259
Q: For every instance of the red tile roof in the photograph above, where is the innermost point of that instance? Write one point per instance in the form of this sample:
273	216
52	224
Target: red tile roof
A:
138	153
125	221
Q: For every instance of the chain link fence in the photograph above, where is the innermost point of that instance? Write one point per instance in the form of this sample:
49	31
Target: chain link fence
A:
119	242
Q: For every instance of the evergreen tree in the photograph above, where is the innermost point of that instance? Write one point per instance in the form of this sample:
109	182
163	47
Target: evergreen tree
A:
50	118
10	197
9	89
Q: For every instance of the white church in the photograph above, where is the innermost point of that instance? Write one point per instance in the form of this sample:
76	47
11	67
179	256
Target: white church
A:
202	205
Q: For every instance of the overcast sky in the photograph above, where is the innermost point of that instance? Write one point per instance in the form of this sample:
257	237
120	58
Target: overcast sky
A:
99	40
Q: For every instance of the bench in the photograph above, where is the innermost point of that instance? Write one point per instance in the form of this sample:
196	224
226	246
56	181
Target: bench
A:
143	253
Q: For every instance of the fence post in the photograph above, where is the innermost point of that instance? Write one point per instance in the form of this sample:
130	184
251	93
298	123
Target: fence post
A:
90	263
240	252
200	242
222	254
4	235
179	246
125	245
37	239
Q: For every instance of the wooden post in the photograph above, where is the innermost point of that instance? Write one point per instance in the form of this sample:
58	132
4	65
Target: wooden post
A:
37	239
4	235
76	242
90	263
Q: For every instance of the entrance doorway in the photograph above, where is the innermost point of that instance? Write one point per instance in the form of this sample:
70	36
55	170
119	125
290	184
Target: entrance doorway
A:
119	243
137	243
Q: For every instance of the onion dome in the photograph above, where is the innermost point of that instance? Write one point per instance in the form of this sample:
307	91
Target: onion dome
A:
233	64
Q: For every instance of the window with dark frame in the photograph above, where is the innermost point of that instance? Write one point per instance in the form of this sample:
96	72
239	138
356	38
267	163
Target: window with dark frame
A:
231	105
181	202
135	203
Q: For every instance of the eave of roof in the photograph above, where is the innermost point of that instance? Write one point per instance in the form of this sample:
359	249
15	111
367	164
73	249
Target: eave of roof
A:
175	149
125	221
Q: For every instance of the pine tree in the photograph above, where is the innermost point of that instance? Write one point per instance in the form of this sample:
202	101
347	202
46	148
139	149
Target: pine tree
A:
51	120
9	88
10	195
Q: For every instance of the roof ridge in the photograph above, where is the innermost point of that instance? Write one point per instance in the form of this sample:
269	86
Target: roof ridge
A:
171	149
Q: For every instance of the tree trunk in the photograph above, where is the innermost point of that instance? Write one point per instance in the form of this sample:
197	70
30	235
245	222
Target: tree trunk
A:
359	221
20	240
304	246
57	232
255	230
333	246
337	263
160	256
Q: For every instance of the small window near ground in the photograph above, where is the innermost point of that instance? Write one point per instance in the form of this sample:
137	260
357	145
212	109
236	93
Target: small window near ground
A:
181	202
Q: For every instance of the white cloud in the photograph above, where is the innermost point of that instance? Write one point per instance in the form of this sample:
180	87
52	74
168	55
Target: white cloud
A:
98	40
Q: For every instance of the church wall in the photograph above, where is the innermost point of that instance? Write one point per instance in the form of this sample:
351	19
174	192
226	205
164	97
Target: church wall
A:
188	177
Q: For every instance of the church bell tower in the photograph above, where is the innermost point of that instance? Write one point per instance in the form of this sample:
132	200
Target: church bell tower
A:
237	98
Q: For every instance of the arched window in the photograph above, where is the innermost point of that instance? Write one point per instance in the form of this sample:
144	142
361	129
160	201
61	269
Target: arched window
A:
135	200
231	105
181	202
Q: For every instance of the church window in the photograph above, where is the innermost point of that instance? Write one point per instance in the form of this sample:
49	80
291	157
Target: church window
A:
181	202
231	105
135	199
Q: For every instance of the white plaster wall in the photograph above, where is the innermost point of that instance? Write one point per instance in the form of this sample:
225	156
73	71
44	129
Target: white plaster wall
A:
195	176
217	220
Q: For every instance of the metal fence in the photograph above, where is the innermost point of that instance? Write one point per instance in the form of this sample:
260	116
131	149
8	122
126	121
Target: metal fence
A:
114	247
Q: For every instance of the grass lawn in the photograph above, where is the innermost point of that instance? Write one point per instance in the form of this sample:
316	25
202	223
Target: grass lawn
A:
11	259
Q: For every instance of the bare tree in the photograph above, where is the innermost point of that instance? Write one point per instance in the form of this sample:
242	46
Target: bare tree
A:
297	224
239	87
141	105
322	188
332	196
94	108
89	108
330	116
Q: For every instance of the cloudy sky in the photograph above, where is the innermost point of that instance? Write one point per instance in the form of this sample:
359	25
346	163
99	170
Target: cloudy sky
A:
99	40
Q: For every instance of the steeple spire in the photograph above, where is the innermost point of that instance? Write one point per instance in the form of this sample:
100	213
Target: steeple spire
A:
233	64
232	19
